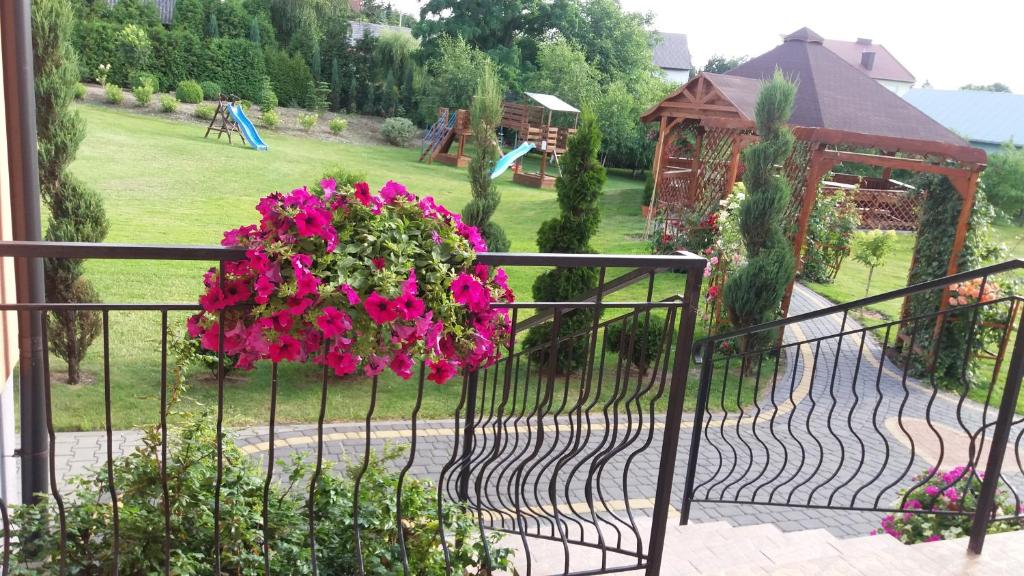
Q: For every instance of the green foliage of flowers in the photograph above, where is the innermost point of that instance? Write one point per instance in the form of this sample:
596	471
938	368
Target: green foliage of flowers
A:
168	103
191	471
579	192
143	93
830	229
189	91
485	115
270	118
753	294
205	111
115	95
947	492
337	125
398	131
308	120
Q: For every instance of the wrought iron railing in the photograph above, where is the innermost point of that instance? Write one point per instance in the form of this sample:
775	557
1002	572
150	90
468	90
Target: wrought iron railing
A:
853	411
554	461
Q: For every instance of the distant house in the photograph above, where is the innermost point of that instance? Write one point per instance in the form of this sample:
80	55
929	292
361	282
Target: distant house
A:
360	29
986	119
672	55
875	61
164	7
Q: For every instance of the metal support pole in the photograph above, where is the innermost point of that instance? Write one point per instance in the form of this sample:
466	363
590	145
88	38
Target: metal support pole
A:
673	422
1000	438
19	94
468	434
707	359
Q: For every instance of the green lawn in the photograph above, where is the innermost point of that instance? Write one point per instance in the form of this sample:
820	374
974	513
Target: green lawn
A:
164	184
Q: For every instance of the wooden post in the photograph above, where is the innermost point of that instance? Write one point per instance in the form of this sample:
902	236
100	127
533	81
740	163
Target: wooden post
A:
656	172
734	165
819	164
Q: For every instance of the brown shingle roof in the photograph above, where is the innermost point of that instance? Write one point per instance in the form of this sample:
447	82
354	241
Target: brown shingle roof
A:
884	67
833	94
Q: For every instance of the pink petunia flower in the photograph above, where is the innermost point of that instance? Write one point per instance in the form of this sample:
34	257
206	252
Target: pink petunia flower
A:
380	309
350	293
401	365
333	322
441	371
362	193
285	348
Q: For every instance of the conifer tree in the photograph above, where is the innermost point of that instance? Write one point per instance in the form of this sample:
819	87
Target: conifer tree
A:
579	190
76	211
485	114
335	84
255	36
212	28
753	294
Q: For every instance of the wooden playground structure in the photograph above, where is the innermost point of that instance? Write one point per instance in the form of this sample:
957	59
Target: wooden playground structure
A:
529	123
222	123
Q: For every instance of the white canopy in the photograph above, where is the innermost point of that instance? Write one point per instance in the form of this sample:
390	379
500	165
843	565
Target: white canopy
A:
552	102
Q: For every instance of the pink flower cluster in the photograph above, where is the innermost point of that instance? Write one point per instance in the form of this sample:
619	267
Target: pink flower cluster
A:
337	276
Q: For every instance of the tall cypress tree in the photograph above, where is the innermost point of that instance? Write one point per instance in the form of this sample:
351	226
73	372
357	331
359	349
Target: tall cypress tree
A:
76	211
579	190
315	62
255	36
335	84
212	28
753	294
485	114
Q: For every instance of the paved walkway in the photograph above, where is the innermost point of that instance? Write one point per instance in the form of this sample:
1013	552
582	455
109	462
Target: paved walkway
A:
838	427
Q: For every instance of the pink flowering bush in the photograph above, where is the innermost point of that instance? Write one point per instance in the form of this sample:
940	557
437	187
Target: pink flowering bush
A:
955	490
358	282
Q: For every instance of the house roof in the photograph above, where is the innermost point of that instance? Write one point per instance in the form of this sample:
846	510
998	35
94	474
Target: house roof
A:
885	66
835	103
832	93
164	7
672	51
989	117
361	28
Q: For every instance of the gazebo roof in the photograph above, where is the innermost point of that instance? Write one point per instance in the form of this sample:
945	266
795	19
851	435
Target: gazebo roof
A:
836	102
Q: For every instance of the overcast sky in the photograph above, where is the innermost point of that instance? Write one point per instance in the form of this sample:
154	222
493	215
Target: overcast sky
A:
946	42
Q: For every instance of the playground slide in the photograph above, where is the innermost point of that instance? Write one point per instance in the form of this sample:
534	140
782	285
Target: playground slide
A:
248	130
509	159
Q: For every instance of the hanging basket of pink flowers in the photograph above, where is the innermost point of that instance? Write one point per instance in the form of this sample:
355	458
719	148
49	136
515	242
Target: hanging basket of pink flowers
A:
359	282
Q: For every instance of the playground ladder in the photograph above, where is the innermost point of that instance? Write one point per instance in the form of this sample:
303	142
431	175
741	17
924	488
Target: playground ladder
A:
437	134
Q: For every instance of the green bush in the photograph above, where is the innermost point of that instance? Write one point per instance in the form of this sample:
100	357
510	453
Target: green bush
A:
398	131
168	103
115	95
268	98
308	120
830	229
643	340
239	67
341	176
192	474
290	77
189	91
205	111
270	118
179	55
143	94
147	79
96	45
211	90
135	50
338	125
79	91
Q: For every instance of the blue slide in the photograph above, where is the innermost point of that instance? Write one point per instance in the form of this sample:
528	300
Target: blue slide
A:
507	160
248	130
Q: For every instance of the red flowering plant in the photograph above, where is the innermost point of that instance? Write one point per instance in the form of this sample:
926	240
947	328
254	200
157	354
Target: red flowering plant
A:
941	507
357	282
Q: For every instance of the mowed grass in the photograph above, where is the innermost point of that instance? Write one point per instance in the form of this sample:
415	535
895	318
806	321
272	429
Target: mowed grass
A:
851	284
163	183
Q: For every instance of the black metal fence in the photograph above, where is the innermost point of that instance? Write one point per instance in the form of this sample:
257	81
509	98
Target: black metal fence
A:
575	467
855	412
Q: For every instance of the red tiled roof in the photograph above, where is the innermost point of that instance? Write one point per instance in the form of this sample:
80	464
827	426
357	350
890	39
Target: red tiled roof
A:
884	67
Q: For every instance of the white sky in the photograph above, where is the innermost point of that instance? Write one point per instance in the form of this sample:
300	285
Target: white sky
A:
946	42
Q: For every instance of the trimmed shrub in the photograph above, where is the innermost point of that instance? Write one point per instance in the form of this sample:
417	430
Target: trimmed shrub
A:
341	177
270	118
289	76
268	98
168	103
147	79
211	90
79	91
205	111
398	131
239	67
115	95
96	45
189	91
177	56
338	125
143	94
308	120
642	339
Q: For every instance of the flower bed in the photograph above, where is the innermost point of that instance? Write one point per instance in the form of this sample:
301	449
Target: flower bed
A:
357	282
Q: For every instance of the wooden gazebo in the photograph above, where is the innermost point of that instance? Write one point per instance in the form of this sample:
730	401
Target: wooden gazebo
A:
840	116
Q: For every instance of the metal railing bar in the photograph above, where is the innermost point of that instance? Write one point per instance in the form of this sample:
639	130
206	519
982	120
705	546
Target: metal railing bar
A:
271	437
165	493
